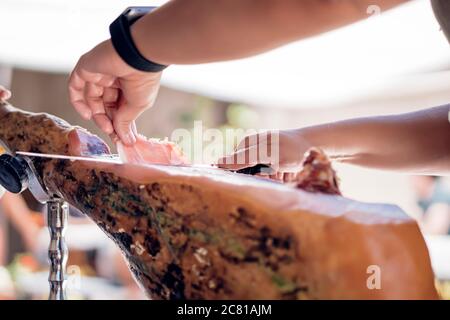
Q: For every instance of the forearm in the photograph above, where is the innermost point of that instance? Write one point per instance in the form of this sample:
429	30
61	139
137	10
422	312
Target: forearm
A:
200	31
417	142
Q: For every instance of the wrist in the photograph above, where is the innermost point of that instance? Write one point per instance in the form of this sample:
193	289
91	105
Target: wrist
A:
106	52
120	67
143	30
124	40
317	136
116	61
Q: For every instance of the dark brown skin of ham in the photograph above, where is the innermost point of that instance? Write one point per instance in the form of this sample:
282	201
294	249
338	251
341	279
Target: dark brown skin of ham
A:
184	239
134	214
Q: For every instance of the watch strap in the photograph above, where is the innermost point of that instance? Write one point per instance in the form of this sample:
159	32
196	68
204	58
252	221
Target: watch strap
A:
124	45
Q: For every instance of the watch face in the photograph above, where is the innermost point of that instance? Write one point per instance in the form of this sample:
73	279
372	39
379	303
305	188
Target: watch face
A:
134	13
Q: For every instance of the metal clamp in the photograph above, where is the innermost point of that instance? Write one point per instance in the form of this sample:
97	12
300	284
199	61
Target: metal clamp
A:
57	213
17	174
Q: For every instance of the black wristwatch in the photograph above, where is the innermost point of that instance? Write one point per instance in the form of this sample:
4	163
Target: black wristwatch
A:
124	44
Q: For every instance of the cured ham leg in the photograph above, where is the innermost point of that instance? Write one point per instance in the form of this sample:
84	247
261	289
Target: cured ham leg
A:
192	233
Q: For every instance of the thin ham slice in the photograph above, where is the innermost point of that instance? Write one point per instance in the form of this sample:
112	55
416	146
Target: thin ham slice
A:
152	151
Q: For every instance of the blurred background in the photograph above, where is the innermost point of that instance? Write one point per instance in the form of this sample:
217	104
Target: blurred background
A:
391	62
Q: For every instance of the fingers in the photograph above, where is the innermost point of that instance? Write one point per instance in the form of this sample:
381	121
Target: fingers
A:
247	154
104	123
134	128
125	116
76	94
104	89
255	139
289	176
94	98
4	94
260	149
124	126
89	93
110	97
86	88
240	159
138	93
277	176
115	138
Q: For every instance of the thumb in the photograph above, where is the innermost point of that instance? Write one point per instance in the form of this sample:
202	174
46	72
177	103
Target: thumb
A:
125	128
4	93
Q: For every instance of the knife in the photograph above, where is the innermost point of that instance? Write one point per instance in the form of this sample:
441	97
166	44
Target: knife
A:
107	158
115	159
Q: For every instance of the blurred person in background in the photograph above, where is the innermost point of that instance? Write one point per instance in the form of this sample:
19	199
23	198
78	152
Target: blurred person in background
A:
98	258
433	198
27	222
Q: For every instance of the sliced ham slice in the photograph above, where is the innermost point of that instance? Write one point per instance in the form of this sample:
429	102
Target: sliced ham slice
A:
152	151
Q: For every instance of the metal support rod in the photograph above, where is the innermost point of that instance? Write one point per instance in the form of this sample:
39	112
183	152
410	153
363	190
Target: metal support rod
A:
57	213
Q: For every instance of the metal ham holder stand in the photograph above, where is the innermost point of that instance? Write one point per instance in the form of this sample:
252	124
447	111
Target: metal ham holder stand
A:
17	173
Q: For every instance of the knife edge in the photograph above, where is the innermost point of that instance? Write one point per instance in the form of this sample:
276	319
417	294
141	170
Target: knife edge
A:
103	159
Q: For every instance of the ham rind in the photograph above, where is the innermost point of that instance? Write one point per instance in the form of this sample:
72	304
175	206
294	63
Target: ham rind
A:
84	143
190	233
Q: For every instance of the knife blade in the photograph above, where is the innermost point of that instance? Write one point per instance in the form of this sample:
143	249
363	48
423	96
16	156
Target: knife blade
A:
107	158
115	159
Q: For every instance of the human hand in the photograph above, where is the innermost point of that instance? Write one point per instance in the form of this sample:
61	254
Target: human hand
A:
104	88
282	150
4	94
